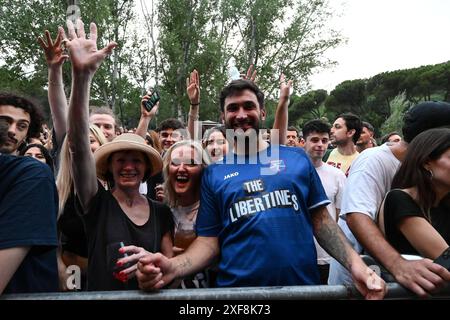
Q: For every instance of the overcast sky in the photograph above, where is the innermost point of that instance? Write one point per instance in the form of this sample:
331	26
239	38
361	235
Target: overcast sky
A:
386	35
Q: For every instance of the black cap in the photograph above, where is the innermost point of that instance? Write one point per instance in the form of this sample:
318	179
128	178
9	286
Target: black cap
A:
424	116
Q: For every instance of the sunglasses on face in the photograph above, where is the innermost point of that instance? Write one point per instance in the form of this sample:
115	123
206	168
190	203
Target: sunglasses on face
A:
174	135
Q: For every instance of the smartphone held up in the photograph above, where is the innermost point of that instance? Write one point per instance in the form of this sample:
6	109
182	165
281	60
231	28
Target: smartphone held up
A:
152	101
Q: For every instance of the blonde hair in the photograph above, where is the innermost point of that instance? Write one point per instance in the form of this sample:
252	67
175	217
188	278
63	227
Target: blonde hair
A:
156	142
98	134
171	197
64	180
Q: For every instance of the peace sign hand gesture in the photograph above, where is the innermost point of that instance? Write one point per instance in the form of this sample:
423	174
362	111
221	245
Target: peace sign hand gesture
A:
285	87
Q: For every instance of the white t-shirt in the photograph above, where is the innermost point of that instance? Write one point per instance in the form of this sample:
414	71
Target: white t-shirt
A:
143	188
333	181
369	180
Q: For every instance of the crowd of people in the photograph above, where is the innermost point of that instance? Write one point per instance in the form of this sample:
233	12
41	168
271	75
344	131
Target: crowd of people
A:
159	209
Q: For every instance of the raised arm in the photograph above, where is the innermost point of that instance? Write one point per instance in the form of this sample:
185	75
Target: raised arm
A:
333	240
251	74
146	116
55	58
193	92
281	114
86	59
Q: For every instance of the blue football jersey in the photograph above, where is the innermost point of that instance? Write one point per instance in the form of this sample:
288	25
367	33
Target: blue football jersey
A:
259	208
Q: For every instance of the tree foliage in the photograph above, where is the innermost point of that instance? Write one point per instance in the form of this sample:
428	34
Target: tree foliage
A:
187	41
399	105
174	37
308	106
24	22
377	98
279	36
22	65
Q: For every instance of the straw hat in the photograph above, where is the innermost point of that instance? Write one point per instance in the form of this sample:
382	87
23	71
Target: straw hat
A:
126	142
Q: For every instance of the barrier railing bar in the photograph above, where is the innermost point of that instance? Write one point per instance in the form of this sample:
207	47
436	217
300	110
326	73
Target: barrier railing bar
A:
395	291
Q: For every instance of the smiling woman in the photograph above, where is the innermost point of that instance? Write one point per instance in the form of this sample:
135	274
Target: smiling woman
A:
183	166
104	156
122	214
121	224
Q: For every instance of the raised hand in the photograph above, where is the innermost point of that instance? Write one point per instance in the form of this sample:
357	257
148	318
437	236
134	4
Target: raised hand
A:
193	88
285	87
83	52
193	91
54	54
251	74
148	114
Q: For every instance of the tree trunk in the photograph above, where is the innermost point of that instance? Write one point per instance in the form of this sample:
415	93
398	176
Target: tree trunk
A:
252	45
182	71
115	69
152	37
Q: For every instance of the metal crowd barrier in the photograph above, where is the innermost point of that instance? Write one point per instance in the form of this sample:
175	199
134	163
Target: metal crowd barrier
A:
395	291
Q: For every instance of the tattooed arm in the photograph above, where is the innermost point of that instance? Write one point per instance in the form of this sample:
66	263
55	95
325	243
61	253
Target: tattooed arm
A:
333	240
156	271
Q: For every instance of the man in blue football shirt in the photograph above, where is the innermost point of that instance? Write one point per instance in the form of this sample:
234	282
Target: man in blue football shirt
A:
259	210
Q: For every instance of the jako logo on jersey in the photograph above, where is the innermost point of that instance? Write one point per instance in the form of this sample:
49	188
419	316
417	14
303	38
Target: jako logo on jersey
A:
277	165
231	175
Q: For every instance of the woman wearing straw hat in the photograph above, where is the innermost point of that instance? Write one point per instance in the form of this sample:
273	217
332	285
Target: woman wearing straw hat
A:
122	218
121	224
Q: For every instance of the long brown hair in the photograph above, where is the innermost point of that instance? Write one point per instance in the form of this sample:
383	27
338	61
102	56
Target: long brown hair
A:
425	147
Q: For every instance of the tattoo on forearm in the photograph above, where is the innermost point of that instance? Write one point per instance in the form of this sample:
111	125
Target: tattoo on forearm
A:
185	264
332	239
